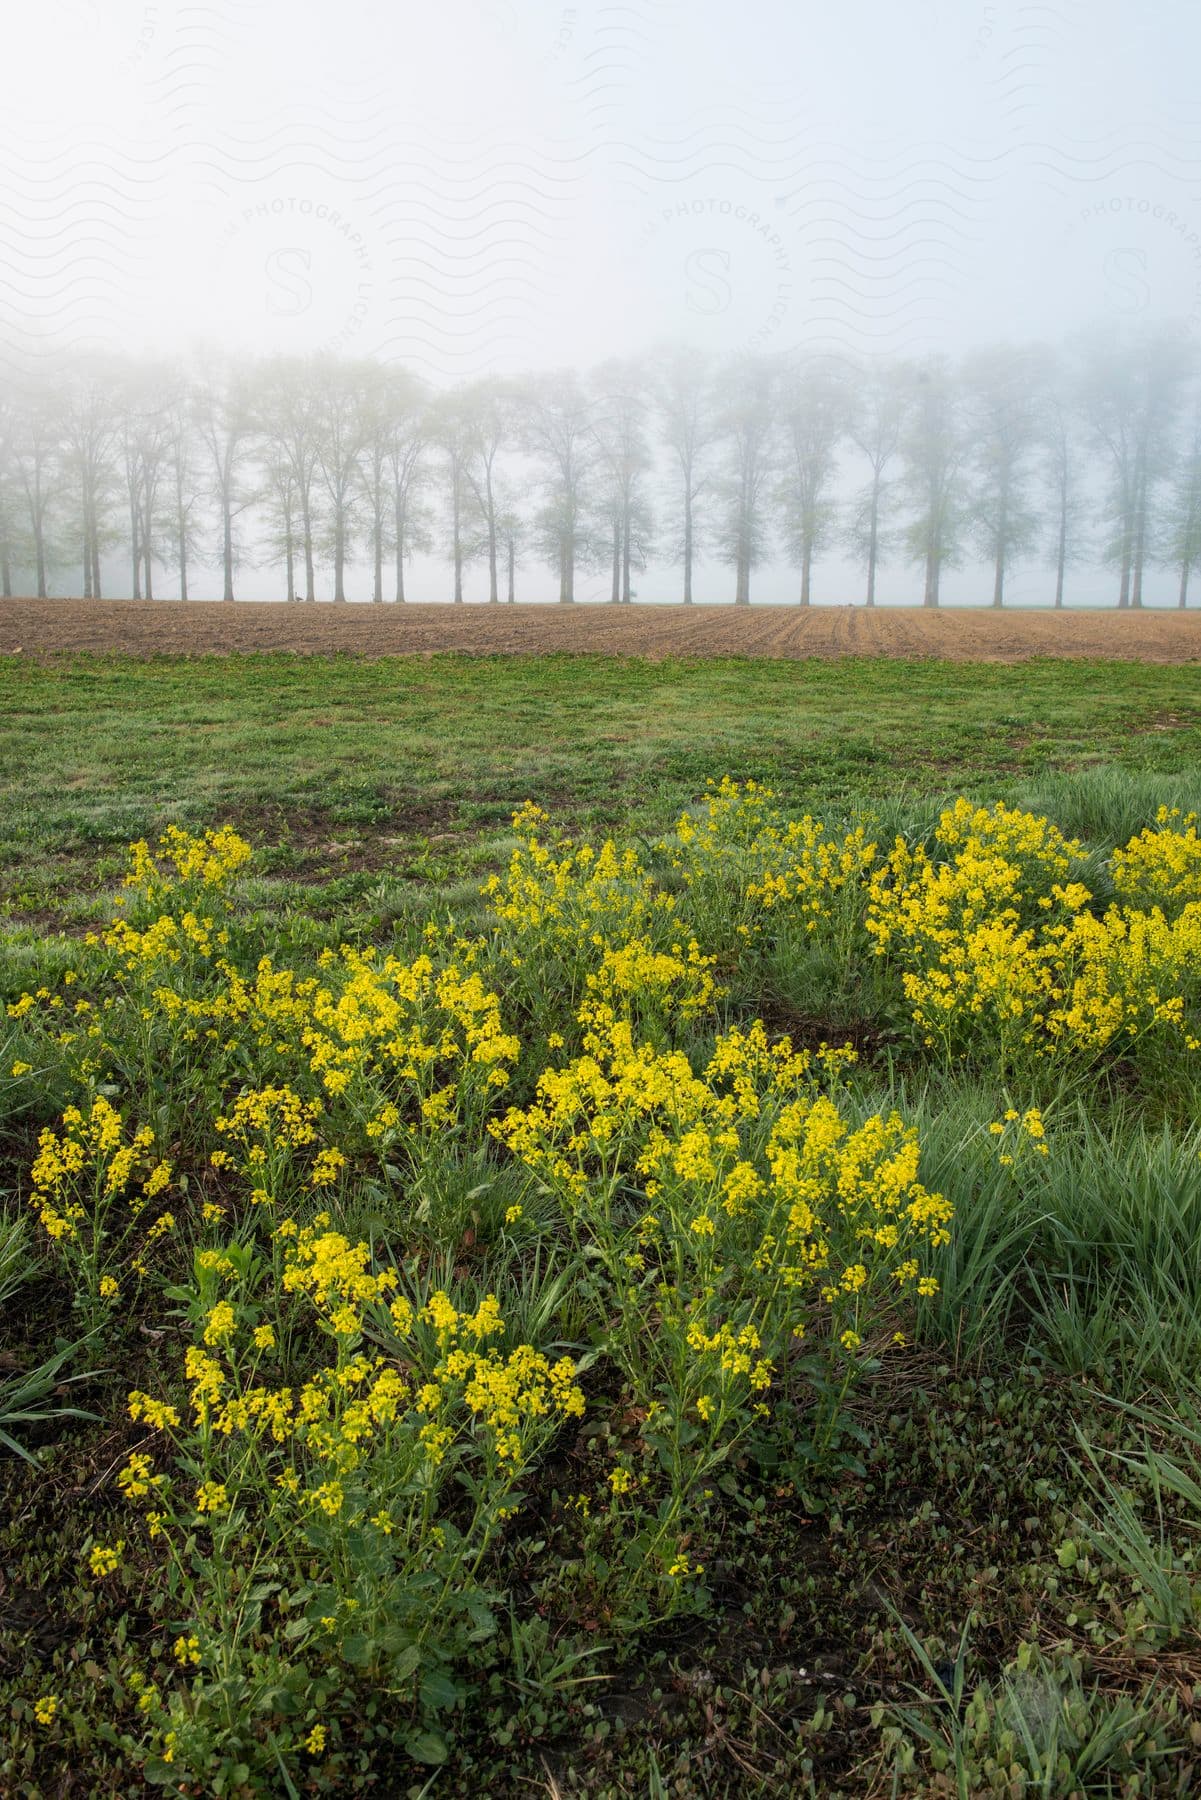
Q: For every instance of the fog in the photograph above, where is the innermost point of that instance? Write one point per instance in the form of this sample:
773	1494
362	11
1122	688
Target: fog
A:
492	186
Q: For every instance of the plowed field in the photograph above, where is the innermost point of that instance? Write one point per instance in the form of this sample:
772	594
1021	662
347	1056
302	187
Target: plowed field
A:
144	628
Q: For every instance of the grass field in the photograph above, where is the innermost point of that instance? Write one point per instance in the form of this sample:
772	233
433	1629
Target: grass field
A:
493	1347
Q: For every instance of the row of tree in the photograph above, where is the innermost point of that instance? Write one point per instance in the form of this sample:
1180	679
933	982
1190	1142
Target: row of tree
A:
299	464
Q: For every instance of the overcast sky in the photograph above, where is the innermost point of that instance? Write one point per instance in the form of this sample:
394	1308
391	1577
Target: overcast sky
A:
477	185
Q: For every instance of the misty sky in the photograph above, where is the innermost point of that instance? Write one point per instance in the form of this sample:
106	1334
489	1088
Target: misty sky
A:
482	185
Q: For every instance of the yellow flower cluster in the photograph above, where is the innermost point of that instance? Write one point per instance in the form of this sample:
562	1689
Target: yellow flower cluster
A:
212	860
365	1423
812	868
760	1185
570	895
165	941
91	1184
1162	865
736	1352
394	1020
743	841
997	946
675	983
274	1113
1128	974
1029	1127
733	817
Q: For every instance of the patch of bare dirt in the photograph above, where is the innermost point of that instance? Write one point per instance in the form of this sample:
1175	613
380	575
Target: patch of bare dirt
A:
44	628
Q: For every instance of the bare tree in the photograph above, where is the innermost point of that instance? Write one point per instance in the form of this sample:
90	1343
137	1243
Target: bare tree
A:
934	448
146	429
876	420
1003	392
388	402
281	512
746	396
90	438
408	462
1181	532
511	530
619	432
557	431
183	468
9	490
491	414
8	498
1133	390
621	536
813	407
1062	472
341	441
225	422
451	431
685	406
130	443
41	471
286	417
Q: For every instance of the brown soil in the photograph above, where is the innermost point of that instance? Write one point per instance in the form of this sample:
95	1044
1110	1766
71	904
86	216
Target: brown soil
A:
39	628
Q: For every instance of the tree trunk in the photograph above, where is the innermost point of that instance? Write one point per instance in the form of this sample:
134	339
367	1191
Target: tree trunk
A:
458	543
149	570
181	526
1061	552
340	560
227	550
615	582
493	580
567	573
930	597
6	573
400	550
687	545
1140	543
86	501
306	521
627	594
512	573
135	539
1184	575
377	557
289	563
873	545
806	563
998	586
742	579
95	556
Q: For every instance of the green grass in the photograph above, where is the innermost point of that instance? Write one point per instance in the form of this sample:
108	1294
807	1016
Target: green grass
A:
997	1591
369	778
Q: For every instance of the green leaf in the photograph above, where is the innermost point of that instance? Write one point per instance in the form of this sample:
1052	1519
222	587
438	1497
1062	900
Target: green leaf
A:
405	1663
426	1747
438	1691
